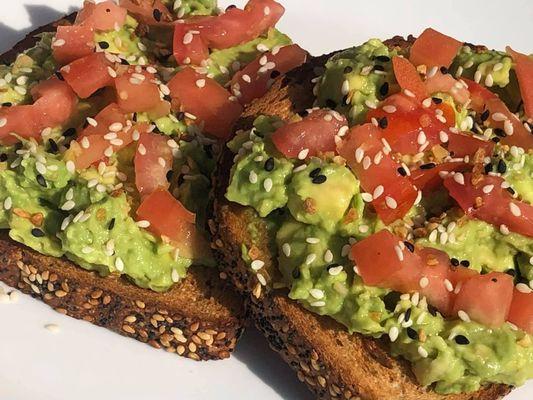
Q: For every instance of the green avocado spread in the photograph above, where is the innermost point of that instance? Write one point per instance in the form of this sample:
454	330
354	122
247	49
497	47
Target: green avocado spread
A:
314	222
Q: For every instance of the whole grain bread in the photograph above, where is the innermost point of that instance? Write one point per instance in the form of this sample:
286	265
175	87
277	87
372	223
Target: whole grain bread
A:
333	363
200	318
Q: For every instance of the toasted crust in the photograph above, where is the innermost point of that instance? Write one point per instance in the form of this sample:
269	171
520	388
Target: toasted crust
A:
200	318
333	363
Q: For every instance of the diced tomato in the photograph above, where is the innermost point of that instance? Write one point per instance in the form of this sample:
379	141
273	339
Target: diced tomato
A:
188	49
489	202
479	95
524	73
368	156
109	115
520	136
91	149
88	74
445	83
152	12
254	80
314	134
521	312
430	179
153	160
436	268
204	98
18	120
432	48
486	298
461	145
170	219
137	92
103	16
72	42
381	262
460	274
408	77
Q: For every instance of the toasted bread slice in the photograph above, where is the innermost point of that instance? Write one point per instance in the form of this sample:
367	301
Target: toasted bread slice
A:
200	318
333	363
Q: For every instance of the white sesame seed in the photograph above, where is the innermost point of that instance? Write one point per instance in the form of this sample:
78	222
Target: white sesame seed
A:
391	203
68	205
523	288
143	224
444	238
175	276
59	42
267	184
52	328
286	248
497	67
367	162
252	177
257	265
515	210
463	316
343	130
489	80
378	191
261	279
393	333
200	83
92	121
310	258
359	154
345	89
119	264
303	154
422	352
426	102
433	236
370	104
141	149
424	282
187	38
116	142
399	252
328	256
504	230
367	197
432	72
71	167
8	203
246	78
459	178
318	304
87	250
161	161
262	48
389	109
312	240
477	76
508	127
448	285
487	189
335	270
3	122
116	127
498	117
317	293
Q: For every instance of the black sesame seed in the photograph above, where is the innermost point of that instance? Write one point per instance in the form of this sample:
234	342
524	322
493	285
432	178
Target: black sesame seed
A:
384	89
209	151
331	103
180	116
462	340
511	272
303	113
484	115
319	179
402	171
269	164
407	315
345	99
413	335
502	167
454	261
3	157
500	132
383	58
274	74
383	123
296	273
69	132
53	146
391	300
37	232
103	45
59	76
436	100
496	139
123	61
134	117
410	246
40	180
444	70
379	68
510	190
157	14
494	280
230	7
432	310
7	104
488	168
167	97
314	173
465	263
428	165
169	175
348	69
111	224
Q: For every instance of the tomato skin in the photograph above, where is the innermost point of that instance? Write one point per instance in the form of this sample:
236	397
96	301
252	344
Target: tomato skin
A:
433	48
188	53
447	84
436	269
285	59
85	157
103	16
461	145
520	137
315	132
408	77
152	163
78	42
486	298
524	73
429	180
496	205
88	74
138	95
210	104
479	95
521	311
144	11
107	116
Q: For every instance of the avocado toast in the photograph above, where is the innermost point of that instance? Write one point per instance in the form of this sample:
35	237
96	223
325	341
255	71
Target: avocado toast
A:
107	150
308	248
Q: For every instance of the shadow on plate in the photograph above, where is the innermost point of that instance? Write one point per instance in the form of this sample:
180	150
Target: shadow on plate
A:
253	351
39	15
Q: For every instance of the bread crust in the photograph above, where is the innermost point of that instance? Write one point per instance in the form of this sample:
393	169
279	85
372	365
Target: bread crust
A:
333	363
200	318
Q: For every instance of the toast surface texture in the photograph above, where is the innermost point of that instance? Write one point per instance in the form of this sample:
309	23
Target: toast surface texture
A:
333	363
199	318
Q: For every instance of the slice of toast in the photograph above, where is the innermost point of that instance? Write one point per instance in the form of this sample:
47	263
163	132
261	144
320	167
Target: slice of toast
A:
199	318
333	363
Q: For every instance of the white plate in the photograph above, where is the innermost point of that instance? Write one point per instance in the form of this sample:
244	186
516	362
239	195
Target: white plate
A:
84	362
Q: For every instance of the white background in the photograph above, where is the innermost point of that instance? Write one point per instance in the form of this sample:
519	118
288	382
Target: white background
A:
83	362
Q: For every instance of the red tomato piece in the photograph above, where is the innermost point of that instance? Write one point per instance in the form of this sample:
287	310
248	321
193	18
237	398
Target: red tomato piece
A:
524	73
137	92
204	98
103	16
153	160
152	12
94	148
255	79
504	119
88	74
19	120
445	83
497	206
436	269
521	312
369	157
486	298
170	219
314	134
382	260
188	48
461	145
479	95
109	115
433	48
72	42
408	77
429	180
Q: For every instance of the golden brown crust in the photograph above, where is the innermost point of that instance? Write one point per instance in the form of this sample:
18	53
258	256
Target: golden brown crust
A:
200	318
333	363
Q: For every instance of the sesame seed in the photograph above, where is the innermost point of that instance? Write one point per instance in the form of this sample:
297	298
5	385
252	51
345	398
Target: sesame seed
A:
498	117
187	38
317	293
119	264
463	316
257	265
59	42
367	162
310	258
52	328
328	256
523	288
393	333
359	154
378	191
143	224
286	248
489	80
116	127
363	228
477	76
200	83
161	161
408	93
303	154
459	178
391	203
422	352
345	88
424	282
267	184
399	252
367	197
508	127
389	109
141	149
448	285
71	167
504	230
261	279
318	304
108	152
68	205
246	78
87	250
92	121
312	240
334	271
252	177
175	276
515	210
262	48
3	122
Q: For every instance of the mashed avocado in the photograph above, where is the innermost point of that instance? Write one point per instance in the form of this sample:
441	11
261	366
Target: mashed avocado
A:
356	79
186	8
123	41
